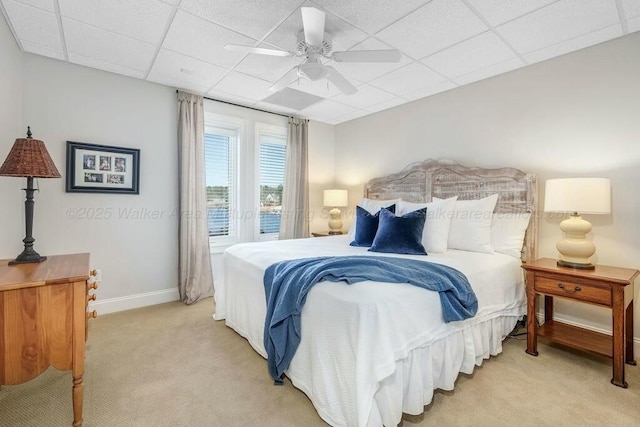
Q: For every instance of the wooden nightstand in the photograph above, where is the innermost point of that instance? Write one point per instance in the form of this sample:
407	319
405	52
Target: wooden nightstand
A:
325	234
605	286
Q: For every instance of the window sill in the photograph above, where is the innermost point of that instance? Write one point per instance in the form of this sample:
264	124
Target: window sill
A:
218	249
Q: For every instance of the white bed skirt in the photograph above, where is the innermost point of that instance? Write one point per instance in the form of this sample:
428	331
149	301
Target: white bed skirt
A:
371	351
434	366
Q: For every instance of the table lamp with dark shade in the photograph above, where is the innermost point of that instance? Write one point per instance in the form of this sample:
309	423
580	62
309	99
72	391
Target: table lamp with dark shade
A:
29	158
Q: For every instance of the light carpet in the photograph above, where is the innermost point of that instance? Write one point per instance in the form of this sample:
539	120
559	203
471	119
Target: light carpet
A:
173	365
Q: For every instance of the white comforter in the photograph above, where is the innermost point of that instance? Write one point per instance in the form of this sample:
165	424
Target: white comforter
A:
371	350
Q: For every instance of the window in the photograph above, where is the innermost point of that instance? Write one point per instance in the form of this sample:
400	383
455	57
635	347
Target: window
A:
244	166
273	149
220	152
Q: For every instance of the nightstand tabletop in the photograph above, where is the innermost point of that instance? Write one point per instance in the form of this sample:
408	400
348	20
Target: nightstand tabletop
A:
619	275
326	233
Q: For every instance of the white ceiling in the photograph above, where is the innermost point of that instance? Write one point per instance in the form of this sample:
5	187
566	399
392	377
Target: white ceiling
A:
444	43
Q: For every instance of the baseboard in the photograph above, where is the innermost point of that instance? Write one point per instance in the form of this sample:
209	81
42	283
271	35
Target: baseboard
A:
607	331
112	305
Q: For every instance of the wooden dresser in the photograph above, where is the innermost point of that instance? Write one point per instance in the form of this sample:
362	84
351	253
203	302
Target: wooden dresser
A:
43	320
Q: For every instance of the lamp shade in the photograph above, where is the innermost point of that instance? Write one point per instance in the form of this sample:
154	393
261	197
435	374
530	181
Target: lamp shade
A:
29	158
336	198
581	195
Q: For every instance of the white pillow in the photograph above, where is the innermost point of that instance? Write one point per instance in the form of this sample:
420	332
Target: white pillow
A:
507	232
436	226
372	206
470	228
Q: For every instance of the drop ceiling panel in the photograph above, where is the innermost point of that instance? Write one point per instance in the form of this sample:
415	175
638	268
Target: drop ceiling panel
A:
366	96
407	79
182	68
292	99
91	42
558	22
38	49
255	18
40	4
329	109
144	20
490	71
34	25
478	52
343	35
105	66
435	26
577	43
365	71
245	86
371	15
204	40
500	11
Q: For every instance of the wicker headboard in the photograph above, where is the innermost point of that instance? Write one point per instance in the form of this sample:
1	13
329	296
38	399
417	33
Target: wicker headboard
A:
421	181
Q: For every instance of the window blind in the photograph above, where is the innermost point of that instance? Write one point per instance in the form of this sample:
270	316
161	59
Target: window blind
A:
219	166
272	164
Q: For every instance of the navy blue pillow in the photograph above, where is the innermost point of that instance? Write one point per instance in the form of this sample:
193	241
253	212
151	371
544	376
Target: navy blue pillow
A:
400	234
367	226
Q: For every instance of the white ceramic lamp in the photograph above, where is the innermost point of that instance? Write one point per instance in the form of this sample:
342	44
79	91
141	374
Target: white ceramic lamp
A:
335	199
578	196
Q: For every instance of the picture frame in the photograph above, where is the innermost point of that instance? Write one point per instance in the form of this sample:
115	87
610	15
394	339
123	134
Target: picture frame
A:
93	168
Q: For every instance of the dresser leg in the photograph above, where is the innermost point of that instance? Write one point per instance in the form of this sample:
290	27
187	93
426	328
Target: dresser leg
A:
628	331
78	388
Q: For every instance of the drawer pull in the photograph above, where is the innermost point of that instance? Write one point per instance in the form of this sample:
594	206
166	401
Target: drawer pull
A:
92	314
576	289
93	285
91	297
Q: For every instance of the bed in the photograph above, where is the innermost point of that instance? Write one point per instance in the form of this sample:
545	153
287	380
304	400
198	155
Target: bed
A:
372	351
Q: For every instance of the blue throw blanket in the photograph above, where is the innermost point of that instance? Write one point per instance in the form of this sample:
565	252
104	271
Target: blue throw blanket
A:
287	283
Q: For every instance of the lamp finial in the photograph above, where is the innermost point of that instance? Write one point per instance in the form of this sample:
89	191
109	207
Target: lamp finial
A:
29	134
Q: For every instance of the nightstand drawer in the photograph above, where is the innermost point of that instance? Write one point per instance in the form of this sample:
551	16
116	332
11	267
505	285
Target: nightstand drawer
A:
574	290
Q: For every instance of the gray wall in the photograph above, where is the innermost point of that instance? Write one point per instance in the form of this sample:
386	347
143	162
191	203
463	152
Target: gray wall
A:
575	115
131	238
11	211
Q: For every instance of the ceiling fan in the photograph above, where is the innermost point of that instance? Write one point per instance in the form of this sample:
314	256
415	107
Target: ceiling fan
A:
314	46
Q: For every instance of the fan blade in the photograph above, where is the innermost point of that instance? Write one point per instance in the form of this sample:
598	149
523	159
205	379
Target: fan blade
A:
313	24
284	81
258	50
340	81
388	55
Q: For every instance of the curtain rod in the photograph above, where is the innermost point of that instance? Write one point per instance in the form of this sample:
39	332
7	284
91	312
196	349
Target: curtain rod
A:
243	106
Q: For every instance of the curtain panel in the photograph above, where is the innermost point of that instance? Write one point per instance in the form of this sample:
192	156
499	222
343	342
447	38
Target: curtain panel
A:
195	276
294	223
